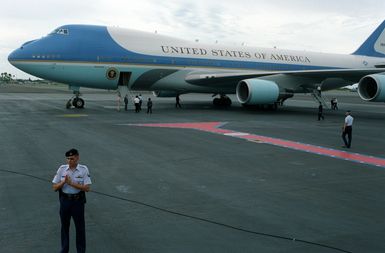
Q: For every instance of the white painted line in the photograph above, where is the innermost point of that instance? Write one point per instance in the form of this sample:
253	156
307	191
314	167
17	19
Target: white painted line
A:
236	134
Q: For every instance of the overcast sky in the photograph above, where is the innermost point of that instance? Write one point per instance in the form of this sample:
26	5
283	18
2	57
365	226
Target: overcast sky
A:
335	26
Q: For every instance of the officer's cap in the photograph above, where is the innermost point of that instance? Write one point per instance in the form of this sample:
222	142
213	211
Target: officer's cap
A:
72	152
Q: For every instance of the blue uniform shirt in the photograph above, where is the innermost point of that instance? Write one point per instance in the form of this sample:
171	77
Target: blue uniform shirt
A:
79	175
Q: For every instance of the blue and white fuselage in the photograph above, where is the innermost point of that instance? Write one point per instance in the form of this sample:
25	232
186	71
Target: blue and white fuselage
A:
108	57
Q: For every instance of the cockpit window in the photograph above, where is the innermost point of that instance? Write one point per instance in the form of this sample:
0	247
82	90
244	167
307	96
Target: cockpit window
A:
61	31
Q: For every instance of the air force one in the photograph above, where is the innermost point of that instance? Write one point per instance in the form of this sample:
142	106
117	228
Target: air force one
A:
115	58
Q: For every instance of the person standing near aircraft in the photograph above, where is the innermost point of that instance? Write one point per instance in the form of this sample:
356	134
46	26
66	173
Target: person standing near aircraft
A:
177	102
72	181
125	102
140	101
347	130
335	104
320	112
136	103
118	100
149	106
332	103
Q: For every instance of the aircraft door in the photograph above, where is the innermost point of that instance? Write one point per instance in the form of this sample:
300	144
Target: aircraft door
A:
124	78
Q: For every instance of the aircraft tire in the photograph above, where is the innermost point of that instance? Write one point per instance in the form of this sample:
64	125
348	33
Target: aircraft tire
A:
227	101
78	103
69	104
222	101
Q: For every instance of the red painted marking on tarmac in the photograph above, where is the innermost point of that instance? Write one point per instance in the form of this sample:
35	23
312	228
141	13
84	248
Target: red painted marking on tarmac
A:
214	127
203	126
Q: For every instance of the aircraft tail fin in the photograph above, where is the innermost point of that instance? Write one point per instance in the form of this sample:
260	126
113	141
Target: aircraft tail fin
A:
375	44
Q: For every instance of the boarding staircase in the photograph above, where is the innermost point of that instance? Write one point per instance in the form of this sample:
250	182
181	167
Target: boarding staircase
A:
319	99
123	90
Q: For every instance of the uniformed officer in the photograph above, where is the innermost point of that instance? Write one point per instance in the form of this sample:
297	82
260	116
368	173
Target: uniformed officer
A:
347	130
72	181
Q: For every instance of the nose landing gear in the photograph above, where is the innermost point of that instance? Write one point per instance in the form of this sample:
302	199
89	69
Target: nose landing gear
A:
78	102
75	101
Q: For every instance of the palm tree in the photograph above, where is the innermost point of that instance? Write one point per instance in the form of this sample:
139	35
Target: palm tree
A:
6	77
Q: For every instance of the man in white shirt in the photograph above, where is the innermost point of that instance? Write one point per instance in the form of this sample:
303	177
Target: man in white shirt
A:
72	180
136	103
347	130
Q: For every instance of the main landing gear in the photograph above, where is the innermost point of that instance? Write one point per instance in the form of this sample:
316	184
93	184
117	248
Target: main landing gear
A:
223	100
75	101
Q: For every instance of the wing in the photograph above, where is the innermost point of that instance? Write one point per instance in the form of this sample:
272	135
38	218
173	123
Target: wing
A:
331	78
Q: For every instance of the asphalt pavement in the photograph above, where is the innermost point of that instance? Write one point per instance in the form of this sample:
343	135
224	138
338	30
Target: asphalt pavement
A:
162	186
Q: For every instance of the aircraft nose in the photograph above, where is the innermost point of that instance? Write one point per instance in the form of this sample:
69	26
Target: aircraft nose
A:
22	53
12	56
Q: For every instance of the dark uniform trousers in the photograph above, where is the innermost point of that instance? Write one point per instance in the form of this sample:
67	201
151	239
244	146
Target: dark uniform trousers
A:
72	208
348	131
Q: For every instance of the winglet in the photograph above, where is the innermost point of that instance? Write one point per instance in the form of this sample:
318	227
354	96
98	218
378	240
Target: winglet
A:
375	44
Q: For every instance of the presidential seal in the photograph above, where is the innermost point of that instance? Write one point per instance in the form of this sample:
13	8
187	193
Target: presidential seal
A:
112	73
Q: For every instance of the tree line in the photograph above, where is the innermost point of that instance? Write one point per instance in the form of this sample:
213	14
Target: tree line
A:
6	77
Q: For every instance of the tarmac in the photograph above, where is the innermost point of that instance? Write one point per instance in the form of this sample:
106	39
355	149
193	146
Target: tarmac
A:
195	179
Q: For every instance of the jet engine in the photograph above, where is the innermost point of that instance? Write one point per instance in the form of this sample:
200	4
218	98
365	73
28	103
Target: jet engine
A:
257	92
372	88
165	94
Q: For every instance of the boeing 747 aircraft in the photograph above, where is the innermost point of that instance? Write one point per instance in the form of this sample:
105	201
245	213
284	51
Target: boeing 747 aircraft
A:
115	58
